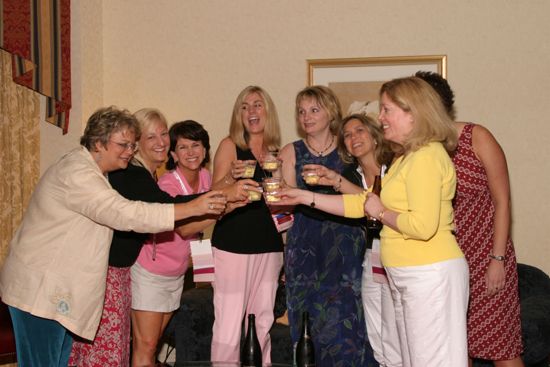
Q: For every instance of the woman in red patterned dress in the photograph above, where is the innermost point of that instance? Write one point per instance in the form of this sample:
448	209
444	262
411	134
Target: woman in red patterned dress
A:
482	218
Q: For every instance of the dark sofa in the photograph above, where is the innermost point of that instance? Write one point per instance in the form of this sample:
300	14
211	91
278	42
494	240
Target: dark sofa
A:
190	330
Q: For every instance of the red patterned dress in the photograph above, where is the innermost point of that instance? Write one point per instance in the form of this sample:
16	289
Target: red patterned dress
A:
494	331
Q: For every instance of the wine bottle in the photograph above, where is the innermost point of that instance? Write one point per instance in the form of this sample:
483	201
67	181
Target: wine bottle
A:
373	223
305	351
251	353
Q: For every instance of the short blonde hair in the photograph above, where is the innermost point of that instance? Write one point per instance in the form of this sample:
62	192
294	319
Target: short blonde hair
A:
431	122
147	116
382	151
272	131
326	99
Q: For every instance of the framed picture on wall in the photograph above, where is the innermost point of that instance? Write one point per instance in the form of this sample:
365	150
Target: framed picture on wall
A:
357	81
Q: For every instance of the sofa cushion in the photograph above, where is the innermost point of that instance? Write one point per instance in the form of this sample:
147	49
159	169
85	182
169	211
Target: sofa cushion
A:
532	282
535	328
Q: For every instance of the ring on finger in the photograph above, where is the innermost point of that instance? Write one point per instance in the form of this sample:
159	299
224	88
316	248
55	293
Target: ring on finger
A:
210	206
245	186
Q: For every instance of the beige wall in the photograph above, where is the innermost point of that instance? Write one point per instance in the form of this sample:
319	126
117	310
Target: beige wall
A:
191	58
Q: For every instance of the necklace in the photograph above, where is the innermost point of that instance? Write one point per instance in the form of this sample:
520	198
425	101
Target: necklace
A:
320	152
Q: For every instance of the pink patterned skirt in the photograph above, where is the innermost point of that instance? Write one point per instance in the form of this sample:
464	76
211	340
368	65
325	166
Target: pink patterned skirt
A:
111	346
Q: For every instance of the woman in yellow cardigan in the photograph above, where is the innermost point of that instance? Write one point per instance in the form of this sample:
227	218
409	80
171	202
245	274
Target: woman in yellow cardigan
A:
427	271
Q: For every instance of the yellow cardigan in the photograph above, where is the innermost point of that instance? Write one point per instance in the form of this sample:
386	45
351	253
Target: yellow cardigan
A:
420	186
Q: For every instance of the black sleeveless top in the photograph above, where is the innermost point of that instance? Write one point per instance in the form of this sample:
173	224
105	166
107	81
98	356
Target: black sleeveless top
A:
249	229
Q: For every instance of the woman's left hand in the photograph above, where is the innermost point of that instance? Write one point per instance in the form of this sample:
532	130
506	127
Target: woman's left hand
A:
373	205
495	277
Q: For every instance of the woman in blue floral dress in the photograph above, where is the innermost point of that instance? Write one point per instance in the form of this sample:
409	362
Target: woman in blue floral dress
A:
324	253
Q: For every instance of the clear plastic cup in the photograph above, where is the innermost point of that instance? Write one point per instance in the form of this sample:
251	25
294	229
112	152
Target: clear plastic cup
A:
270	162
254	195
249	168
272	186
311	177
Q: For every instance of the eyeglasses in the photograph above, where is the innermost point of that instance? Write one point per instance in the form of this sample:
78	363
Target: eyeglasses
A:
126	146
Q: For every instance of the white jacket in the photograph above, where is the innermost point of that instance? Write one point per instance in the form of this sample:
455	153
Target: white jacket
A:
57	262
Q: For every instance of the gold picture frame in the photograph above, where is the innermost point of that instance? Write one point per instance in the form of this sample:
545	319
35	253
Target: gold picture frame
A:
356	81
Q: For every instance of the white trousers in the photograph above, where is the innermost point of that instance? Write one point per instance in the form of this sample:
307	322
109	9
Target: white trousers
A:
243	284
431	302
380	315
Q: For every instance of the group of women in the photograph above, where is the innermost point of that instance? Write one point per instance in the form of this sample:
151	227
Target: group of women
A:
405	290
447	291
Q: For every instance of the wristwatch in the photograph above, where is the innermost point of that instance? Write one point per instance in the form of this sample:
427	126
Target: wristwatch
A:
497	257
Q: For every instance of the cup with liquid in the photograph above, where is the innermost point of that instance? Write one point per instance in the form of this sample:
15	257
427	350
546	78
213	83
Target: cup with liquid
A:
270	162
249	168
271	186
254	195
311	177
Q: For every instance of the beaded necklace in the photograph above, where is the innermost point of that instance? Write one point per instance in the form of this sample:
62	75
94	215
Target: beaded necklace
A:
321	152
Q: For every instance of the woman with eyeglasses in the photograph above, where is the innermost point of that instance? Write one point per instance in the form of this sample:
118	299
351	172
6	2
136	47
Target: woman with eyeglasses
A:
54	277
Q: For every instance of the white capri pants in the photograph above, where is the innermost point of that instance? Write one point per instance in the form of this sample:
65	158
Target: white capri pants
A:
431	302
379	313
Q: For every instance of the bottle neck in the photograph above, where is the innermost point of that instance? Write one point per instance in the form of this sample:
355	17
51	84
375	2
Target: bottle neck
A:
305	324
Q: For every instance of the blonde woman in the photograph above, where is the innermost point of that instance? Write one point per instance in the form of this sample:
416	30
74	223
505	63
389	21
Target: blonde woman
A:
324	253
247	247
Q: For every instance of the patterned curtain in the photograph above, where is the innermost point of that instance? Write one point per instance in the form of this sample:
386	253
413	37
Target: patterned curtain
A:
19	150
37	34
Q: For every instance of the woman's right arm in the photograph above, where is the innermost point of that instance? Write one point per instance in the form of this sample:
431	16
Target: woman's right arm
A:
225	154
288	157
210	203
339	182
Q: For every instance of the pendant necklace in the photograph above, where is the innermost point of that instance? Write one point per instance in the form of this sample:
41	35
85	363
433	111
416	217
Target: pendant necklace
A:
320	152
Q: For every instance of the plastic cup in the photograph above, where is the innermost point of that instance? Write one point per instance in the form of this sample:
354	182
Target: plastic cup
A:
311	177
270	162
271	184
249	169
254	195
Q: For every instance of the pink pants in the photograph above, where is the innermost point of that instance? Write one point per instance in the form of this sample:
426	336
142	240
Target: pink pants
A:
243	284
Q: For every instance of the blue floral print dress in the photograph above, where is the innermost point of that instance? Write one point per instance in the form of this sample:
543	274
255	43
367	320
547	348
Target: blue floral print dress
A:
323	269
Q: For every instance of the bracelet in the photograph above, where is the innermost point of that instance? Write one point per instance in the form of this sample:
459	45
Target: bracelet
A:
338	185
381	214
497	257
312	204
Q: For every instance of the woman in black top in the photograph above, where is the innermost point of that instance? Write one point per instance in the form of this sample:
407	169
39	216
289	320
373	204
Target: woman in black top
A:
247	247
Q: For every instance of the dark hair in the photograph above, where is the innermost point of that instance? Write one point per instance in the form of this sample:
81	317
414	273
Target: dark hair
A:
442	88
106	121
191	130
